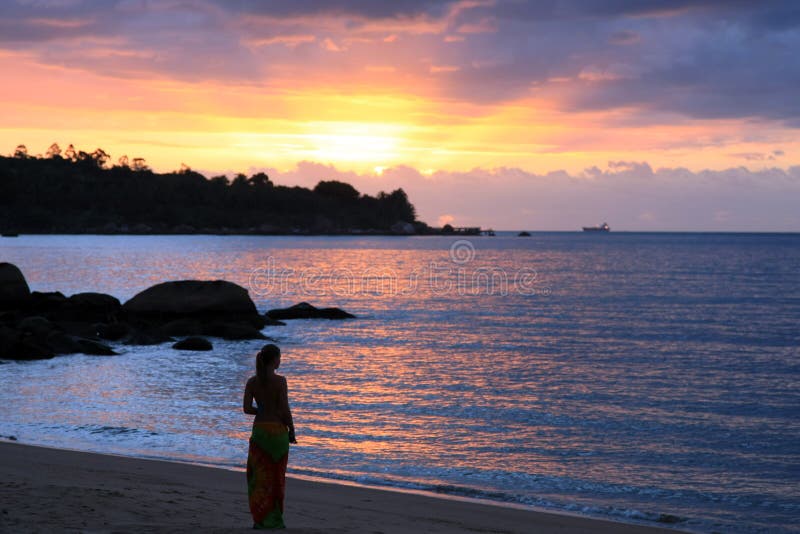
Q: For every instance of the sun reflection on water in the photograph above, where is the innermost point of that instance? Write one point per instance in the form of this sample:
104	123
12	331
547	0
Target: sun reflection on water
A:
630	384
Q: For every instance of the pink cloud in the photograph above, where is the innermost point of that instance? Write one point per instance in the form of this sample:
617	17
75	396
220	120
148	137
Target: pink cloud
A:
629	195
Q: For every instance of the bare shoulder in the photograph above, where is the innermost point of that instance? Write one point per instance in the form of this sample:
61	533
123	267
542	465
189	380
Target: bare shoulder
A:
281	380
251	381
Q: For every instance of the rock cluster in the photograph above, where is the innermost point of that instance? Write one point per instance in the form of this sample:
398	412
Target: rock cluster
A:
35	325
304	310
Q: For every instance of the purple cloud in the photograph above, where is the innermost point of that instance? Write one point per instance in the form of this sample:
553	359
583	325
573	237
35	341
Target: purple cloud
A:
703	59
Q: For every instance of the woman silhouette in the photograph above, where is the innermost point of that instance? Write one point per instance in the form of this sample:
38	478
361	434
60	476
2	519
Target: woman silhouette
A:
273	430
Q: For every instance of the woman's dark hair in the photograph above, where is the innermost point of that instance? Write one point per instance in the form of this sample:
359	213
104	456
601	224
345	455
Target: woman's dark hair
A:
265	356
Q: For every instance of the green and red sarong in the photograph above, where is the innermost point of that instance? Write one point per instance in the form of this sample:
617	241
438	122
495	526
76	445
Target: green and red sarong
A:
266	474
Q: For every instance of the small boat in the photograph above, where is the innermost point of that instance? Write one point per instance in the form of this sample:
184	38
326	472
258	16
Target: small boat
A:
602	228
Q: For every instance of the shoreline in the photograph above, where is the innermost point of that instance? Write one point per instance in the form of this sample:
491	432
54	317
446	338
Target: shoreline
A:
44	488
505	233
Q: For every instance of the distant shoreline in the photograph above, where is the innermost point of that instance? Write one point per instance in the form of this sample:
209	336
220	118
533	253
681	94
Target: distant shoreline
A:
500	233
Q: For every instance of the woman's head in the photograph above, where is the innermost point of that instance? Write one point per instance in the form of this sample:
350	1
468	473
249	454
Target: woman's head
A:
268	357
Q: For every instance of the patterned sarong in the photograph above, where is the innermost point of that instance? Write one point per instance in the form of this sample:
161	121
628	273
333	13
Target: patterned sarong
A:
266	473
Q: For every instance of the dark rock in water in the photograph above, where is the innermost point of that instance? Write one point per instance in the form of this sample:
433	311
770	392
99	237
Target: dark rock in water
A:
193	343
40	325
192	307
151	337
45	303
233	331
62	343
37	326
269	321
669	519
33	349
192	297
301	310
81	307
334	313
14	290
304	310
18	346
8	336
78	328
92	307
113	331
8	340
218	328
182	327
90	346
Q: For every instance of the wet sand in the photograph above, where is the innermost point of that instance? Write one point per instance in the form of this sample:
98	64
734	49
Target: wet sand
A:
53	490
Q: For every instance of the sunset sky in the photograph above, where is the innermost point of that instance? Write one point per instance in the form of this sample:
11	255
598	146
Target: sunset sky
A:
659	115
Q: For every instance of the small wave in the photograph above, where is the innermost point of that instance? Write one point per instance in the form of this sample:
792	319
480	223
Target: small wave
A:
627	514
498	497
115	430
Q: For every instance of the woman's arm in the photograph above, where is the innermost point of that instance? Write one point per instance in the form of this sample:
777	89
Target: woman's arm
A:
247	402
287	411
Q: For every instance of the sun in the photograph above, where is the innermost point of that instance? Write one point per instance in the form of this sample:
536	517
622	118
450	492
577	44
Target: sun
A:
371	144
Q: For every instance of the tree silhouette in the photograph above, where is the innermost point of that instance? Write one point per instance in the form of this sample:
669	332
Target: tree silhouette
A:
21	152
139	165
260	180
80	193
54	151
100	157
335	189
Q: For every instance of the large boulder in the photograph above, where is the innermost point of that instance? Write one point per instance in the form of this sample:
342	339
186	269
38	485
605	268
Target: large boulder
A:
18	345
46	303
192	297
14	290
36	326
80	307
92	307
194	307
304	310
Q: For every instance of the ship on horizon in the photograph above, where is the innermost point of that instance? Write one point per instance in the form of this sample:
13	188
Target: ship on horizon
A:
602	228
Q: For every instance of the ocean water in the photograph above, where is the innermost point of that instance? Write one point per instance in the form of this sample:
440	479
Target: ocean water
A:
628	376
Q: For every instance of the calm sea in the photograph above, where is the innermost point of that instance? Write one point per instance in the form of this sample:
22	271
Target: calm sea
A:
628	376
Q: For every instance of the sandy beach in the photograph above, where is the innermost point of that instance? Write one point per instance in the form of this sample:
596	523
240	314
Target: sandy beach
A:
47	490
